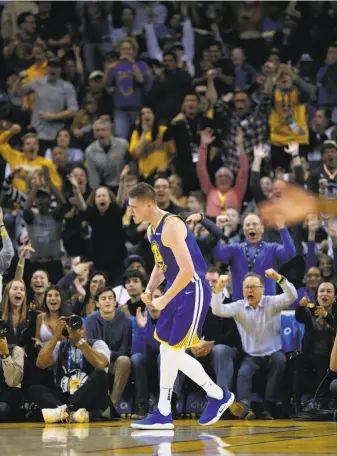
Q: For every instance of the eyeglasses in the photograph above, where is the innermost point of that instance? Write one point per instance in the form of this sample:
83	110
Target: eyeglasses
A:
252	287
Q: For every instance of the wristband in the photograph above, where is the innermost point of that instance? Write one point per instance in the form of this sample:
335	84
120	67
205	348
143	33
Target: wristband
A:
80	343
295	156
1	226
280	280
3	357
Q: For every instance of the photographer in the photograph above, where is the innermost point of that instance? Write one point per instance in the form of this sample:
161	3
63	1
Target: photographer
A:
81	380
11	374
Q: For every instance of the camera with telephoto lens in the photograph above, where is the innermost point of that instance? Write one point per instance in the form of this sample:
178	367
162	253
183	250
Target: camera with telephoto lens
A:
3	328
74	322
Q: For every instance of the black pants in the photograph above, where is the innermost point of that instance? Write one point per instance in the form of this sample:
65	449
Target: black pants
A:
309	371
93	395
281	159
11	399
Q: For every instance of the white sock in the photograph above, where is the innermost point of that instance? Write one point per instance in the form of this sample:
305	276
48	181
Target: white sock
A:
168	374
194	370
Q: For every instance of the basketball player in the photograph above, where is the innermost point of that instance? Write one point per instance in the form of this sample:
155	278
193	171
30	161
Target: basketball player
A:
183	306
294	206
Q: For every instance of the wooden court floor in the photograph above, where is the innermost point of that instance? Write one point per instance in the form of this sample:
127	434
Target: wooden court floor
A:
224	438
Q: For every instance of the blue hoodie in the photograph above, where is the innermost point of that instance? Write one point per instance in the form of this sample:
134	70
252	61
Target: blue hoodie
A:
116	333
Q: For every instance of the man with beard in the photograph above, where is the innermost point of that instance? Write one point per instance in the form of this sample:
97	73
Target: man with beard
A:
105	157
28	160
255	255
251	116
163	194
324	179
185	129
170	85
54	102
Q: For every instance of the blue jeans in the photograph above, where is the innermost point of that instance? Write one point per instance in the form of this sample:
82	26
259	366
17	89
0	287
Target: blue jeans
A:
274	364
124	122
222	359
143	368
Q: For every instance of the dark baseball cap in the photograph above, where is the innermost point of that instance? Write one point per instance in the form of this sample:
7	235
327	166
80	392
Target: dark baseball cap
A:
134	259
55	62
328	145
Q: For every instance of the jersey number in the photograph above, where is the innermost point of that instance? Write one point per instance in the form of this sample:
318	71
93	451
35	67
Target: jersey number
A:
158	257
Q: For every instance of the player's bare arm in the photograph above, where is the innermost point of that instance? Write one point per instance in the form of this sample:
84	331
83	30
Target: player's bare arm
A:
157	278
174	236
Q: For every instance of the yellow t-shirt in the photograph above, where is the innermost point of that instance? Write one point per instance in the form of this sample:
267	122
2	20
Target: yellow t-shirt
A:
156	153
15	158
33	72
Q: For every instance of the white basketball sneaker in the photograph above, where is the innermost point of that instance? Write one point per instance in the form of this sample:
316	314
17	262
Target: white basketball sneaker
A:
55	415
80	416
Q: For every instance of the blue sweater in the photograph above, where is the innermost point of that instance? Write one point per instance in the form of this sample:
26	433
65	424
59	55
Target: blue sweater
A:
271	255
116	333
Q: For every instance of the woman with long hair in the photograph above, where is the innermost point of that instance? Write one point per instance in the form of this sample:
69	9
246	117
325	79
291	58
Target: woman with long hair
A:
46	322
147	146
319	334
85	305
14	311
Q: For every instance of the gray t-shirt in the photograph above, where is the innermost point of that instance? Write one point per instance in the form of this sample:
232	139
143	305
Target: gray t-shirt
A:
51	97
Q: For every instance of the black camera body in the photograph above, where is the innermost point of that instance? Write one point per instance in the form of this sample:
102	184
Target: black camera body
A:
4	329
74	322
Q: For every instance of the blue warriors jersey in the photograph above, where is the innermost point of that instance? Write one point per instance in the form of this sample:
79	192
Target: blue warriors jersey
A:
165	258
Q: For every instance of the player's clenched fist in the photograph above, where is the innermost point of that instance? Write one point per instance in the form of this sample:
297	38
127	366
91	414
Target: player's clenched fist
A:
146	297
160	303
271	274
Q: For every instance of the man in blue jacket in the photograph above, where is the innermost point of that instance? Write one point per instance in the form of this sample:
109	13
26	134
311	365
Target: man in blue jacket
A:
255	255
115	328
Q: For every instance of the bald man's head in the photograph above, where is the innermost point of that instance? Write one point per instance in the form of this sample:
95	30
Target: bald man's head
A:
253	228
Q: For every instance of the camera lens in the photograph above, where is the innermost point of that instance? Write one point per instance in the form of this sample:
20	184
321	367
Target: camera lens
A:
75	322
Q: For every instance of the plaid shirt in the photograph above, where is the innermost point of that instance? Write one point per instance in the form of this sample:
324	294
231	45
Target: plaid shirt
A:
254	125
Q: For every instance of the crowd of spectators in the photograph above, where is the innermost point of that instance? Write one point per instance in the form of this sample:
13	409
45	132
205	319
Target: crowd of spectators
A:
218	105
